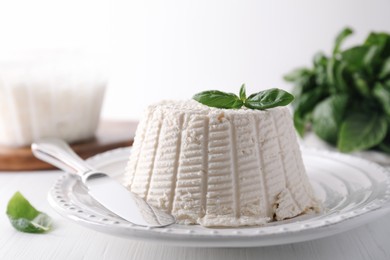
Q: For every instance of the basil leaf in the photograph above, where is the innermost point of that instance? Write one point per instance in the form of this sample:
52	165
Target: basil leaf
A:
218	99
385	72
354	57
362	73
300	122
361	85
340	38
243	93
371	58
361	131
304	84
321	63
376	39
335	73
306	102
382	40
383	96
387	84
297	74
25	218
303	107
330	73
268	99
320	60
385	145
328	116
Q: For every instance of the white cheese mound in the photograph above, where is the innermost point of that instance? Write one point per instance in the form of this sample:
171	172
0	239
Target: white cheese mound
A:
219	167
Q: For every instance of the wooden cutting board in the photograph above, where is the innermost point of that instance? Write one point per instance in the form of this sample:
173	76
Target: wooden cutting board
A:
110	135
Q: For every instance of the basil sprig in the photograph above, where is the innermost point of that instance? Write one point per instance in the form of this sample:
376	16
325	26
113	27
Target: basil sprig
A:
344	97
25	218
262	100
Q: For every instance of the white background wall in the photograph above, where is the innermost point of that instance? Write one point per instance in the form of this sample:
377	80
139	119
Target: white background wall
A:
174	48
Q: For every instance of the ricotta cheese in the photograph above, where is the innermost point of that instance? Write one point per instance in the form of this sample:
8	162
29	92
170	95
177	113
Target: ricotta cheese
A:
219	167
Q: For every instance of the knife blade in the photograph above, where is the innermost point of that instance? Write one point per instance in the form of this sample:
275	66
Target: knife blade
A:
105	190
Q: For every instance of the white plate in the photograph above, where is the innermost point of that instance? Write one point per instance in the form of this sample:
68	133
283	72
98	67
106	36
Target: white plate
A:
354	191
313	141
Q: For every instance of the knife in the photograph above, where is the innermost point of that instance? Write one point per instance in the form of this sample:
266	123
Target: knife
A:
108	192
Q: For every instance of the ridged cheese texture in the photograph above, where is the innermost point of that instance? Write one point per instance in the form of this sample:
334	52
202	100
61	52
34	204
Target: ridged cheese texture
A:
219	167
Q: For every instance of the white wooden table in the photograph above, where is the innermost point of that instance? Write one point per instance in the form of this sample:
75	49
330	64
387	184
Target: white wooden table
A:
72	241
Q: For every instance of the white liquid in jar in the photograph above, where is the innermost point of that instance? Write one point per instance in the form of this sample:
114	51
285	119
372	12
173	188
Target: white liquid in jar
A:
53	96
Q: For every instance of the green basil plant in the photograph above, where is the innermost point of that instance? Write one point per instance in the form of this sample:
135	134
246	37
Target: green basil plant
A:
345	97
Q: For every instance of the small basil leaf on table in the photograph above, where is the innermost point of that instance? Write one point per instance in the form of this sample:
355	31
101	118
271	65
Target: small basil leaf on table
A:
25	218
362	131
268	99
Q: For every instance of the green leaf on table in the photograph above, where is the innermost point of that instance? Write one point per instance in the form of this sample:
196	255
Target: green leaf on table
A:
328	116
25	218
340	38
362	131
268	99
218	99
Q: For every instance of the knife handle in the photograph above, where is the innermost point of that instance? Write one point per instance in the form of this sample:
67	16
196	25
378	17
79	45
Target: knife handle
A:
59	154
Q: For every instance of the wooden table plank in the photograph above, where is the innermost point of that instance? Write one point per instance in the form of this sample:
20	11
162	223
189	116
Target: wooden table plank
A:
110	135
